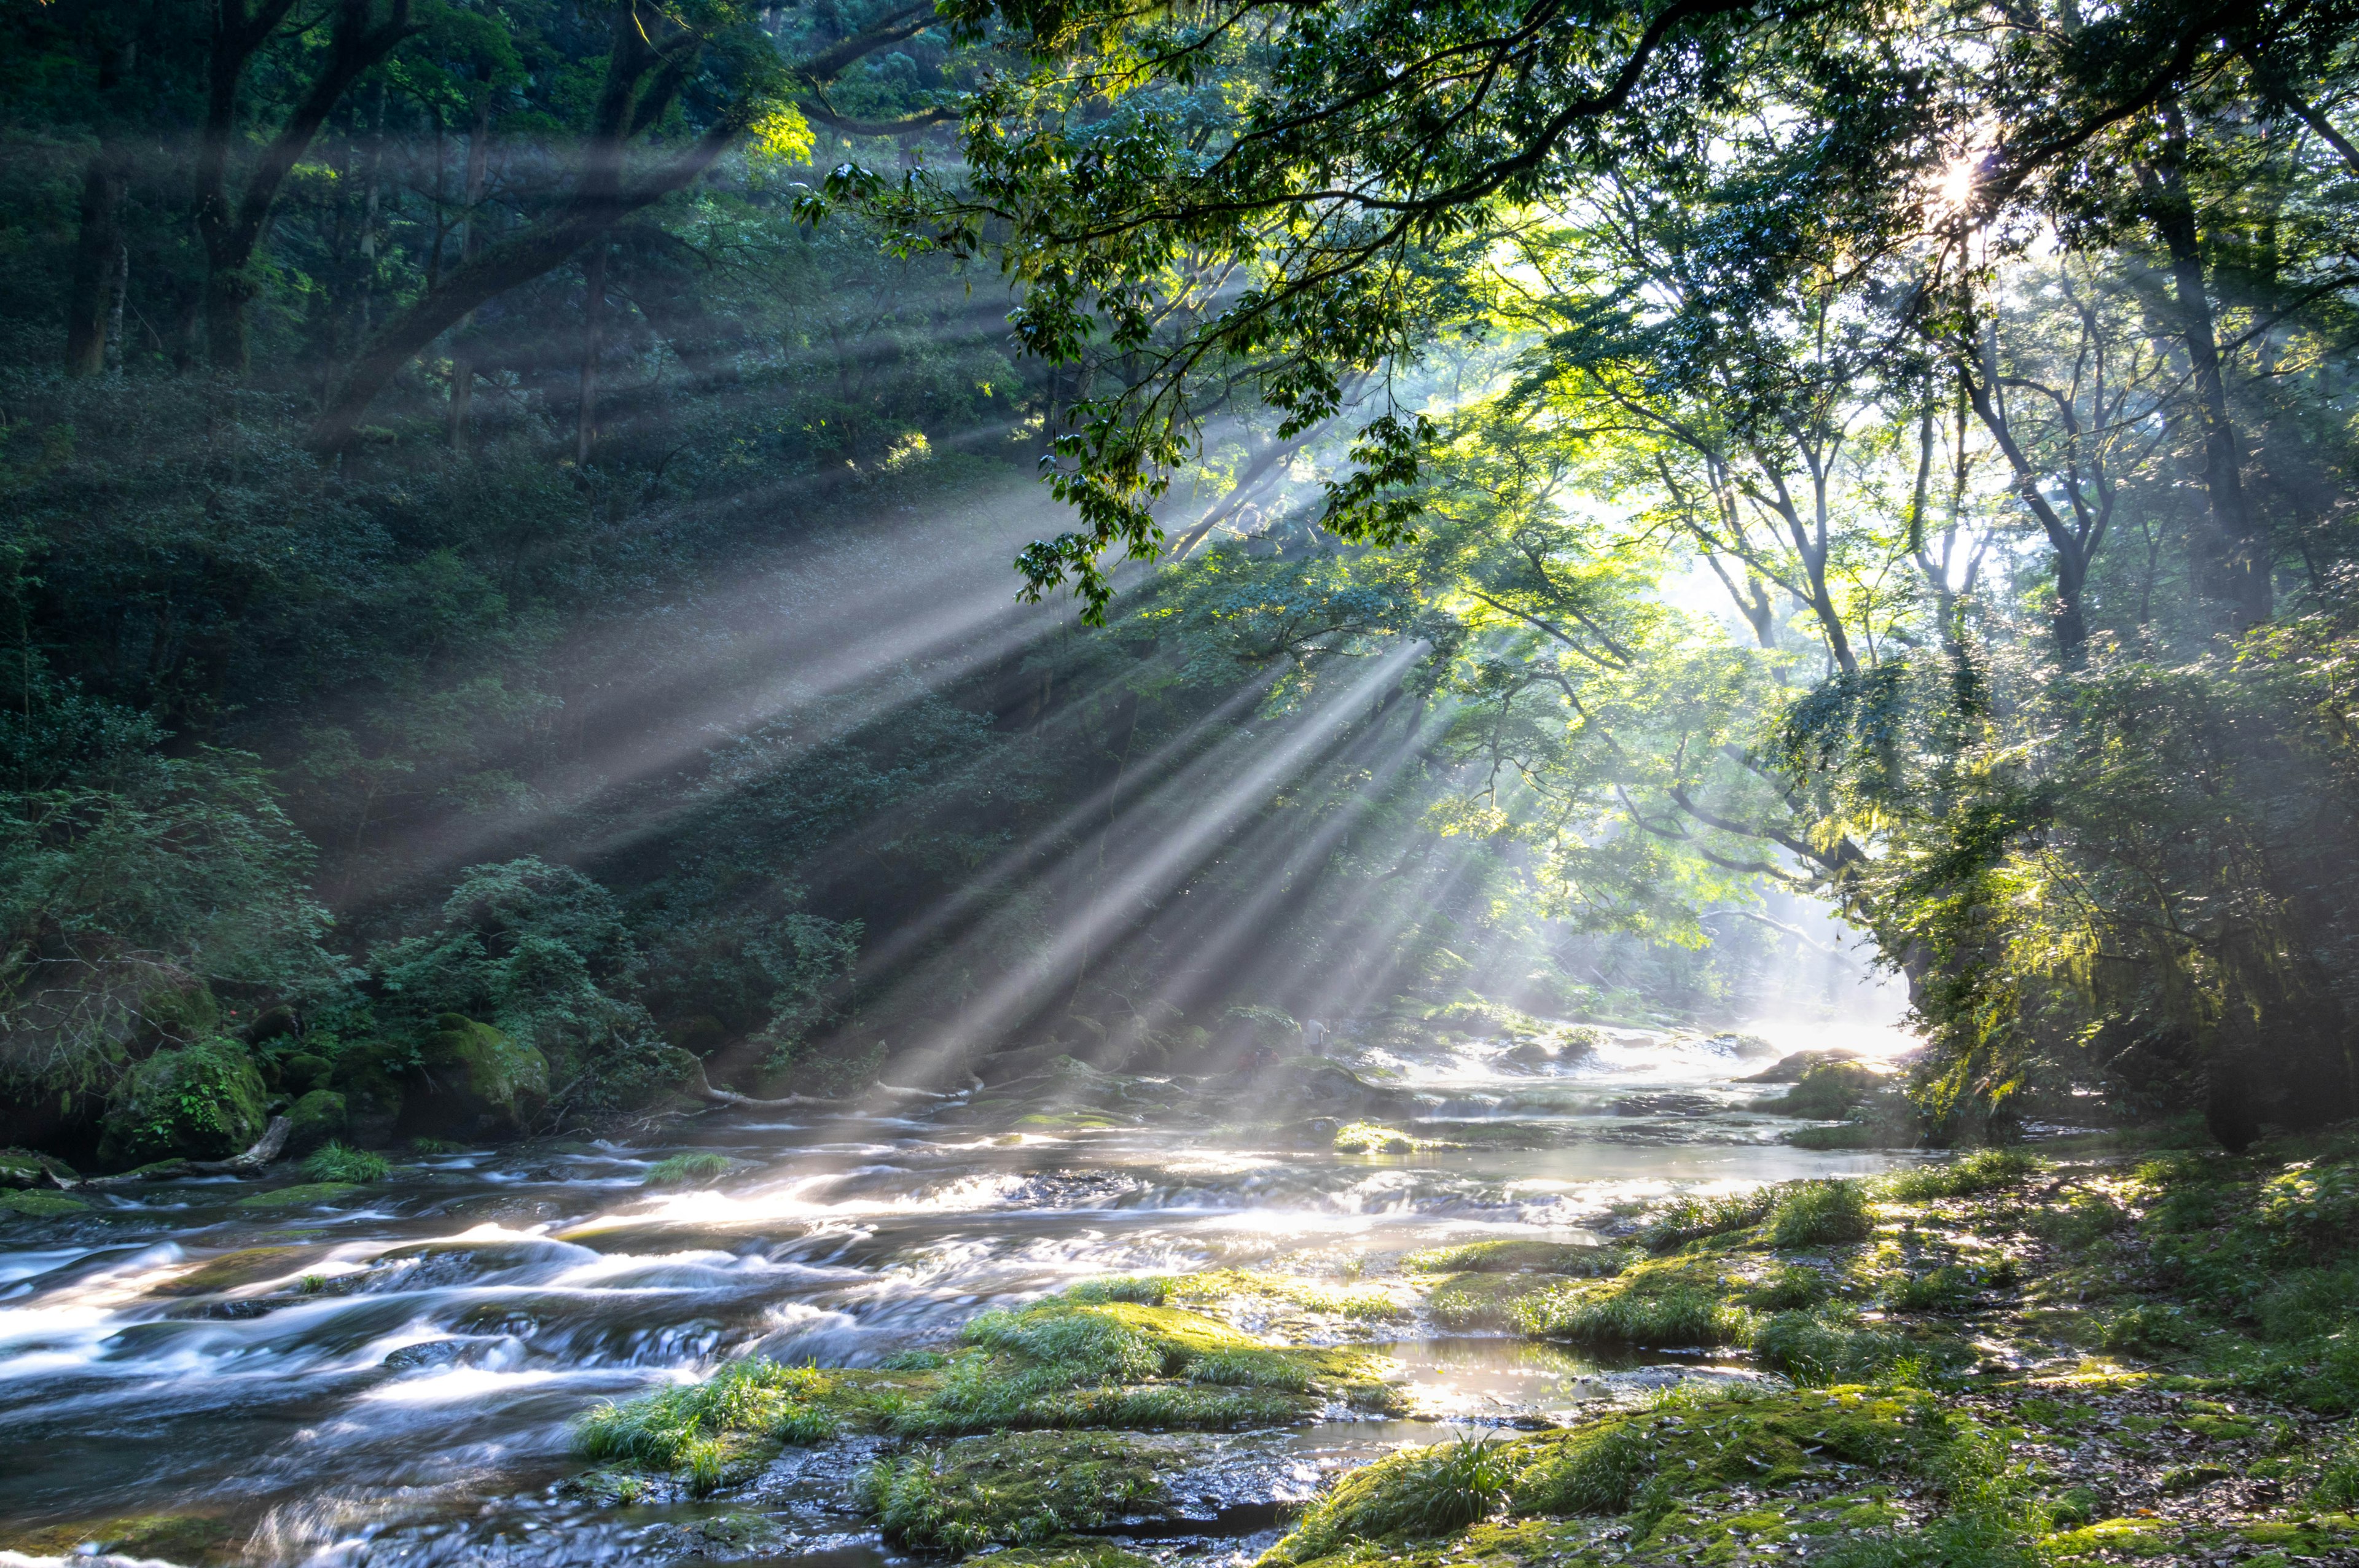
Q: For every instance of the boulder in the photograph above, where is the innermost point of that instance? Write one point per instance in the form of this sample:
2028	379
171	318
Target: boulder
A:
317	1118
199	1102
1789	1069
473	1082
303	1072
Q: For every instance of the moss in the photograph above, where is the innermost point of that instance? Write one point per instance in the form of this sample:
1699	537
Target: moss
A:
1014	1488
1093	1363
199	1102
476	1078
1487	1300
175	1538
317	1118
25	1168
1373	1138
40	1206
1518	1258
308	1192
711	1433
1367	1302
2121	1537
1827	1091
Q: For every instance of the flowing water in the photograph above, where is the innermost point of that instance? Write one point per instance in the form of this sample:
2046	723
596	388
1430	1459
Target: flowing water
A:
392	1378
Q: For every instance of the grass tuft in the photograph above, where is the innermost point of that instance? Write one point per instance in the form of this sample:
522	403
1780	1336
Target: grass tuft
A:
1984	1170
689	1170
336	1162
698	1430
1422	1492
1821	1213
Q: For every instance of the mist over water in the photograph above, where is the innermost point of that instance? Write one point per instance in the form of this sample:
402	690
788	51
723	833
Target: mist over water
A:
395	1382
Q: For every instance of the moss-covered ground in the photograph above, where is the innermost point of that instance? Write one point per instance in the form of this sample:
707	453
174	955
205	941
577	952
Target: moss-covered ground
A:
2093	1357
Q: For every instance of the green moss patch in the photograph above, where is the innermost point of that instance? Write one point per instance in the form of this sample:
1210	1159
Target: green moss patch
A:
38	1205
246	1266
175	1538
1015	1489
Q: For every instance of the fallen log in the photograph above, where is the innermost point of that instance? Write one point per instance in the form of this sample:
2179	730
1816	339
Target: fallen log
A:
251	1162
704	1090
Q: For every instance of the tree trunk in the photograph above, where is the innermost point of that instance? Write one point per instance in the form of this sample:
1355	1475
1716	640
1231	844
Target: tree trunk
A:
97	249
462	352
2243	559
593	315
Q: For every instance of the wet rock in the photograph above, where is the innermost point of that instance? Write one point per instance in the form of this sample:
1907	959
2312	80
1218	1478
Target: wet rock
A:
127	1539
1639	1383
318	1118
199	1102
247	1266
1316	1085
473	1082
308	1193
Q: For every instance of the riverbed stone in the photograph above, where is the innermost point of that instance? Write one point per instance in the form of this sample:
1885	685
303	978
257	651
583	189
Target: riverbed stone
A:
198	1102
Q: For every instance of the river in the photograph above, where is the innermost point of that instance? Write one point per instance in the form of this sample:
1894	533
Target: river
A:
391	1378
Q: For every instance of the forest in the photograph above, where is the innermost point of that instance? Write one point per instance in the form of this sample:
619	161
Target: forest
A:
1430	584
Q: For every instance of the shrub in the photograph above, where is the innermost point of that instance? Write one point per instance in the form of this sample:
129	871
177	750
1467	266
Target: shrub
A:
2337	1487
2147	1329
1821	1213
1422	1492
335	1163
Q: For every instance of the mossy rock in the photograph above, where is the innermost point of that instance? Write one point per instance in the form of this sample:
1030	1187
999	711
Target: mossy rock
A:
318	1118
1017	1489
28	1205
308	1193
474	1081
246	1266
1487	1300
303	1072
173	1538
25	1168
199	1102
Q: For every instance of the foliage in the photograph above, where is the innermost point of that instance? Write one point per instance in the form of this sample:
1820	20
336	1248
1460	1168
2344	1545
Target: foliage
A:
335	1163
1423	1491
201	1101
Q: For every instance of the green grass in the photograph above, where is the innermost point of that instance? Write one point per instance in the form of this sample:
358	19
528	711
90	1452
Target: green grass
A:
1820	1214
1421	1492
1787	1288
690	1170
1817	1351
707	1431
336	1162
1518	1258
1679	1317
1685	1220
1983	1171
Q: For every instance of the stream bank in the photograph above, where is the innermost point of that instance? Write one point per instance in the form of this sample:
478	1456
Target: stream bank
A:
1597	1309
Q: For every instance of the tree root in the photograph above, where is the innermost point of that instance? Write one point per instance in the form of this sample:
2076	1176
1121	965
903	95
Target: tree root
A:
251	1162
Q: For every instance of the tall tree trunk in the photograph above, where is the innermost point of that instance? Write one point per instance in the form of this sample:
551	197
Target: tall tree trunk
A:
97	249
463	351
2244	557
594	317
231	232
